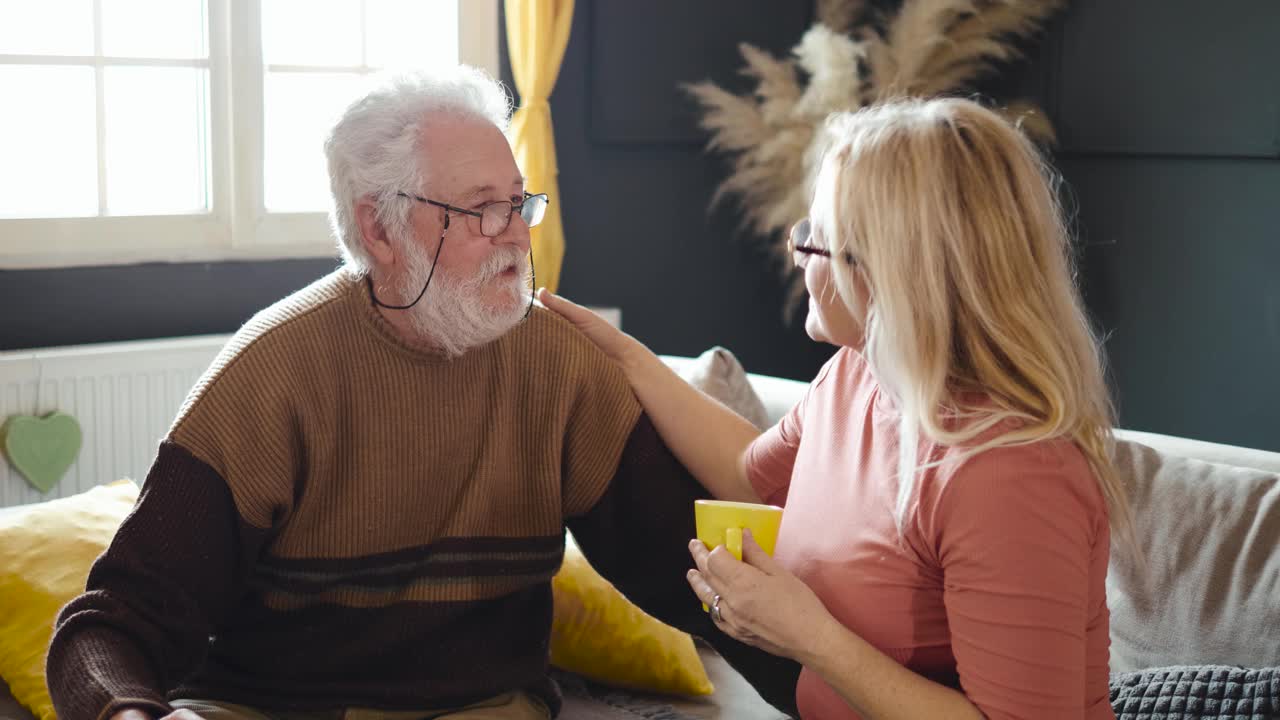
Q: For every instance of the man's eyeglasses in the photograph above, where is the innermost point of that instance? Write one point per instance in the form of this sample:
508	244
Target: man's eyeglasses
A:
800	245
495	216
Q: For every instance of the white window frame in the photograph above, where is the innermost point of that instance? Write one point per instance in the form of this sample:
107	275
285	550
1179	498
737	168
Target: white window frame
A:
237	225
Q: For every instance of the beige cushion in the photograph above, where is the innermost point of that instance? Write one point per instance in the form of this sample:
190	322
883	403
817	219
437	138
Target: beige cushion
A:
718	373
1210	589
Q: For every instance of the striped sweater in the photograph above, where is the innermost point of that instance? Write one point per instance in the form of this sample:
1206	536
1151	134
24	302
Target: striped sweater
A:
338	520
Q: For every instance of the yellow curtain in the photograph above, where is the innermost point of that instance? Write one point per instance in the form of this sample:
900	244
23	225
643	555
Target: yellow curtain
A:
537	33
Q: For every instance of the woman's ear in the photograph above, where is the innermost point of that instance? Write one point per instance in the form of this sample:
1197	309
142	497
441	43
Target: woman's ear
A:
372	234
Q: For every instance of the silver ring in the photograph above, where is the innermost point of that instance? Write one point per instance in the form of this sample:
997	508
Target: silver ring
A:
715	610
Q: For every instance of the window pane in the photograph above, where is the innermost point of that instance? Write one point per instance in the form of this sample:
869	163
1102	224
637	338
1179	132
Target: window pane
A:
46	27
412	33
305	32
300	109
156	140
154	28
48	140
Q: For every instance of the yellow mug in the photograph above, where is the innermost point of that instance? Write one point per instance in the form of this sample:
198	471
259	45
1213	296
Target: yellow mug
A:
721	522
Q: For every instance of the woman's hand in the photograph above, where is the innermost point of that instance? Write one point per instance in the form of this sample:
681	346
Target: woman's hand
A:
761	603
619	346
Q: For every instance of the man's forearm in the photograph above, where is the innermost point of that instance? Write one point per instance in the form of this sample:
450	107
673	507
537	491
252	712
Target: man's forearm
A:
95	671
146	616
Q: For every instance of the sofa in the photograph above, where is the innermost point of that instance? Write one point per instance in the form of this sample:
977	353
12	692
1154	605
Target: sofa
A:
1198	616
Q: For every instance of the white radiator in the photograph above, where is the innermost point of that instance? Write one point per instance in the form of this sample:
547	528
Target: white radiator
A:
125	396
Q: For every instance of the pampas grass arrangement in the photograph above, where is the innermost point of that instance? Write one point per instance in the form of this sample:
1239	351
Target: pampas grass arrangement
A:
854	56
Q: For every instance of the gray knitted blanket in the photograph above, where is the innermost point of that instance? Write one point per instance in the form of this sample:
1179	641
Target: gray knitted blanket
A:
1197	692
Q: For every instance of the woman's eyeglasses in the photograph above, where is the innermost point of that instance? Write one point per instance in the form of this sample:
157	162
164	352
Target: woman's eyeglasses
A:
800	245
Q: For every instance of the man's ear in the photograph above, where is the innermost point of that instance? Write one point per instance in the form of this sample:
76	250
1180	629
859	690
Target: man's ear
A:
372	234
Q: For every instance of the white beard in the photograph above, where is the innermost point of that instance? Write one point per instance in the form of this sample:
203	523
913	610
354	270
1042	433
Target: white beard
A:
453	316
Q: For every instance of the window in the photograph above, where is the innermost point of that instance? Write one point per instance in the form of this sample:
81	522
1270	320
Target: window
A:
144	130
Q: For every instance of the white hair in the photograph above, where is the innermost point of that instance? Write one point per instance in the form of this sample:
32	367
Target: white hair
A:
373	148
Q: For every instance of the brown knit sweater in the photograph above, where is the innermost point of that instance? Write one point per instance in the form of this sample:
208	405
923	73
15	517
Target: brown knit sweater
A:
338	520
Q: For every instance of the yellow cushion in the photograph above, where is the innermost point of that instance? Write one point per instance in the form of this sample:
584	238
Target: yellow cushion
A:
597	633
45	554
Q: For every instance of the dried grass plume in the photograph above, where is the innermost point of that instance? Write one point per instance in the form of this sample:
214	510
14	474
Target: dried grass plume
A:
852	57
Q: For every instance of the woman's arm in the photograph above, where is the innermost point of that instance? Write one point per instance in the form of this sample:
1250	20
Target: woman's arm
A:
1020	534
763	604
708	438
877	686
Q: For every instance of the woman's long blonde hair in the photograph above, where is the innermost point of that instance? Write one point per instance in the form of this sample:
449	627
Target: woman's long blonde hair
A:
954	220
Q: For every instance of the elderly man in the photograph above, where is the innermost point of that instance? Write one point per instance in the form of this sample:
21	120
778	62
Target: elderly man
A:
359	508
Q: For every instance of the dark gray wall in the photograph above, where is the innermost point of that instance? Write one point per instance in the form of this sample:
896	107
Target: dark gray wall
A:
131	302
1169	116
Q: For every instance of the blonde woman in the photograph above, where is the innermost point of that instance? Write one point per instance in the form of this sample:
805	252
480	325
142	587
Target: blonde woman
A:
946	477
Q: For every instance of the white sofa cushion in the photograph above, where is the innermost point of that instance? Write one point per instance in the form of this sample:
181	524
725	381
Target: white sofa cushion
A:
1207	587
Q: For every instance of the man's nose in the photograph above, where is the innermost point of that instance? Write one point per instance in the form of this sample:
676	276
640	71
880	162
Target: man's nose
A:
516	233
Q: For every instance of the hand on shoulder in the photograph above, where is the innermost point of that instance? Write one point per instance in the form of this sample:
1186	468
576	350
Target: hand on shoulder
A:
617	345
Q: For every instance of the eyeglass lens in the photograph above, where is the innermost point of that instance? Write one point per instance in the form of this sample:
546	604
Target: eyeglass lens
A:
800	234
496	216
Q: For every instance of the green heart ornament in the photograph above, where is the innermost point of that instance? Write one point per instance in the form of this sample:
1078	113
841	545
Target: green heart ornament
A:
41	448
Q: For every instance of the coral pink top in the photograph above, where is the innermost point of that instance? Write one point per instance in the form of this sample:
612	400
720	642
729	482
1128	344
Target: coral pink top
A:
996	585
